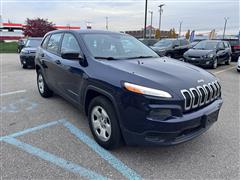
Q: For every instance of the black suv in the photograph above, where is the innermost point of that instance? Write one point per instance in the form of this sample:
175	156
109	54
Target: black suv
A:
128	92
209	53
174	48
27	54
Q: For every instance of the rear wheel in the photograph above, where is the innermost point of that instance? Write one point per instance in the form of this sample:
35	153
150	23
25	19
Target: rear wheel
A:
228	61
42	86
103	123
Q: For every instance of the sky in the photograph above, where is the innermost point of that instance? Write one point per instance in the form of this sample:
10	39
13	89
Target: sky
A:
199	15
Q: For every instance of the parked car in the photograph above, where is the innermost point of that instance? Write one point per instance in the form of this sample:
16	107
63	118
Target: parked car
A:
174	48
235	46
27	54
149	42
128	92
209	53
21	43
238	66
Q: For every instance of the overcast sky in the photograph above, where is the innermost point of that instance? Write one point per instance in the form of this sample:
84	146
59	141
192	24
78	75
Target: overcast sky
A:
200	15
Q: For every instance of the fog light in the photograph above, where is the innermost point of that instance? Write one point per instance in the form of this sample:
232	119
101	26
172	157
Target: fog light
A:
160	114
207	62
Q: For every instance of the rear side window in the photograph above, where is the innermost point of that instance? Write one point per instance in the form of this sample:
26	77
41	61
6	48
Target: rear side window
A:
54	43
45	41
226	44
69	43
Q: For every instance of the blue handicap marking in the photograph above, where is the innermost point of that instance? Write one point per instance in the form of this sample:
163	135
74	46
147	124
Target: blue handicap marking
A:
19	105
67	165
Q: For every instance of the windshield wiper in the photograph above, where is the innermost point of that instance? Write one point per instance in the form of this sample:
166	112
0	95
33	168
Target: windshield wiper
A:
140	57
107	58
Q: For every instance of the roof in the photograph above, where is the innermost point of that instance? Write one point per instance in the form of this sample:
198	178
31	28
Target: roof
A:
88	31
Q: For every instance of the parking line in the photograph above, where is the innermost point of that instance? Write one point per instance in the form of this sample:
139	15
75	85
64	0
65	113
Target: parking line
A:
32	129
218	72
13	92
116	163
72	167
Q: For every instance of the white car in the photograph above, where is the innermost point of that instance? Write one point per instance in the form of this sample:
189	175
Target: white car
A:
238	66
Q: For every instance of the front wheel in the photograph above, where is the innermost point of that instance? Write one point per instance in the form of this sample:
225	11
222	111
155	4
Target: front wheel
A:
42	86
103	123
215	64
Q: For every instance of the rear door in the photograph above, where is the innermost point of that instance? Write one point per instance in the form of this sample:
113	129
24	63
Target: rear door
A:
52	59
222	52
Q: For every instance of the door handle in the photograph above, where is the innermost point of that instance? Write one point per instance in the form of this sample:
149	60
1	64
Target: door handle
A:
58	62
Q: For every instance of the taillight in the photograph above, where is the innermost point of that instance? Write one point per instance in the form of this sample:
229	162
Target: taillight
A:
236	47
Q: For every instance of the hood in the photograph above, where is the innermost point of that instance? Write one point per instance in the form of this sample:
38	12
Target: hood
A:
198	52
161	73
159	48
30	49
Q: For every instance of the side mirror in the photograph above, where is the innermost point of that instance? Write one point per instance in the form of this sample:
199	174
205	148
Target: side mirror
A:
72	55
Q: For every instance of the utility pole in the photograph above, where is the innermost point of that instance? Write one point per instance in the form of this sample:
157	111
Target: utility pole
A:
106	23
180	29
150	34
225	24
160	15
145	20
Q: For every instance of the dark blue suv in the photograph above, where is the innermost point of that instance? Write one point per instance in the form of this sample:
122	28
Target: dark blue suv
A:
128	92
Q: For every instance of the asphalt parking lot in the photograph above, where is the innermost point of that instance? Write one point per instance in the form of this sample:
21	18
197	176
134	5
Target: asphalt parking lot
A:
50	139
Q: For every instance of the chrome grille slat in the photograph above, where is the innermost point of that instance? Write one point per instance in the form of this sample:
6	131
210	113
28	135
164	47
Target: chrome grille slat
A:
201	95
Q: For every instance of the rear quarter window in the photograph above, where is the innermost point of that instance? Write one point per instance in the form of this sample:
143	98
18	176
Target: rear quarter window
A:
54	43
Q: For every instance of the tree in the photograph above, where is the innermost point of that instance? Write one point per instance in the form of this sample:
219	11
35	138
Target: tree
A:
157	34
187	35
37	27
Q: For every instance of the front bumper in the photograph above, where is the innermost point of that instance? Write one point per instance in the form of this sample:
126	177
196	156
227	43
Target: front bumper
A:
28	60
199	62
173	131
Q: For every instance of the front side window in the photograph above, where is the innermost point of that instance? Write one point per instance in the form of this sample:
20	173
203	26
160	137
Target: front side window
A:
69	44
116	46
221	46
54	42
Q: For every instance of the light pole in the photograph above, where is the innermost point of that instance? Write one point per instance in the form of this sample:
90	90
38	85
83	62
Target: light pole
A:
145	20
180	28
150	34
225	24
106	23
160	15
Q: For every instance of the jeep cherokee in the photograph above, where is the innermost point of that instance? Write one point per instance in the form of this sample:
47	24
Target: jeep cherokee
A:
129	93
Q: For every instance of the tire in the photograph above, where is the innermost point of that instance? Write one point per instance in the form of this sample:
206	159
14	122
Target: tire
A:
228	61
43	89
215	64
24	66
103	123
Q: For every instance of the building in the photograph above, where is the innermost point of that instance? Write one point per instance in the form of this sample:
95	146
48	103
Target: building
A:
139	33
13	31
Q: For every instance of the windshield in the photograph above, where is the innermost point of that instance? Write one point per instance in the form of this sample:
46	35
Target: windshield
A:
164	43
116	46
208	45
33	42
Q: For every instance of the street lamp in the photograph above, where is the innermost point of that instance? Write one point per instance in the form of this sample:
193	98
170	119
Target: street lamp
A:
145	20
160	15
106	23
180	28
225	24
150	34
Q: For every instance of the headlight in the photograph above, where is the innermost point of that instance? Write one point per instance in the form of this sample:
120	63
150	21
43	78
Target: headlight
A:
210	55
24	51
146	91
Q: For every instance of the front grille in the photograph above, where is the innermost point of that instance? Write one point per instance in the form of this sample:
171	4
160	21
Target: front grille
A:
201	95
